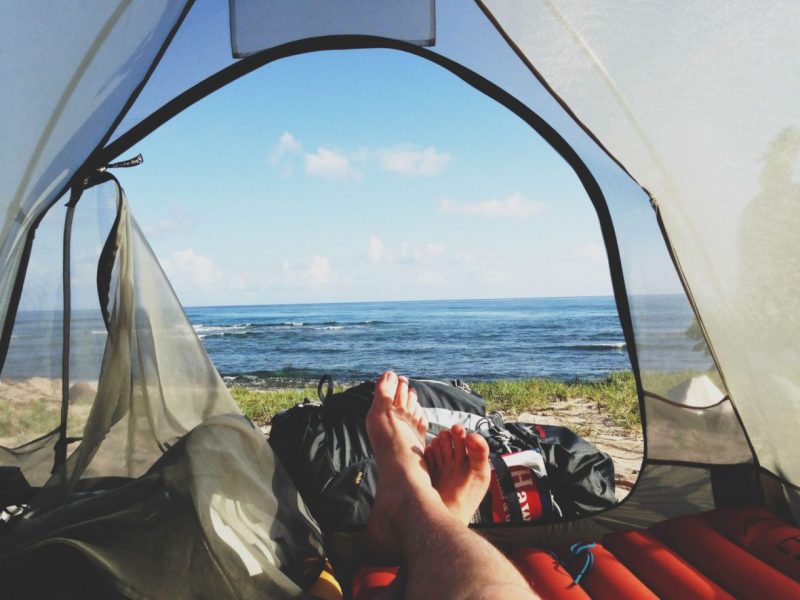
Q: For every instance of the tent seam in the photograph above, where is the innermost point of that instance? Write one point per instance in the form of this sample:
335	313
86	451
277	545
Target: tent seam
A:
679	405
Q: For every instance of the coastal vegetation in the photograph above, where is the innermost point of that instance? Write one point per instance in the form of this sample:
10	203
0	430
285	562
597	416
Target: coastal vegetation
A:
615	395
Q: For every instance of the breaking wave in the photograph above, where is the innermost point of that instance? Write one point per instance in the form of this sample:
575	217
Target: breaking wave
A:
598	347
204	330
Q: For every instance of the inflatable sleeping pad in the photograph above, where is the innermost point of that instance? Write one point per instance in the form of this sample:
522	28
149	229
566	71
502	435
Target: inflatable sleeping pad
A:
738	552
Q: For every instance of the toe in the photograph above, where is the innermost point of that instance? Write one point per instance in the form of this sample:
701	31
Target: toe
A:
446	444
417	416
422	425
418	423
477	451
401	394
434	453
385	389
412	405
458	433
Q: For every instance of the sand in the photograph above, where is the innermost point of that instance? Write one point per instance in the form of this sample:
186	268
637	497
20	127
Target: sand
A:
30	408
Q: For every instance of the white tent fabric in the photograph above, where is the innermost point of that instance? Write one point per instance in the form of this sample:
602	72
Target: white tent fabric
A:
74	71
693	107
700	103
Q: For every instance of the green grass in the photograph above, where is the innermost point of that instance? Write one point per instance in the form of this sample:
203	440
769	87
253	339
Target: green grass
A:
38	416
261	405
616	394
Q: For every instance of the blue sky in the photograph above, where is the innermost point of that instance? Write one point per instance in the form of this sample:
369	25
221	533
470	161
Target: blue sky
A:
361	175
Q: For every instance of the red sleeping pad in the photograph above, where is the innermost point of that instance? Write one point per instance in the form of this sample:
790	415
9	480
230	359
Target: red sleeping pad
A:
729	565
663	571
608	578
762	534
741	552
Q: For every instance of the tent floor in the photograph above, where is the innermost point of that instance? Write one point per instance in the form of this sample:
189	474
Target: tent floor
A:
741	552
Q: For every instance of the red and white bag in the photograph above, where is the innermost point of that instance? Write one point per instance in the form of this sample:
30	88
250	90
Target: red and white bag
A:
519	489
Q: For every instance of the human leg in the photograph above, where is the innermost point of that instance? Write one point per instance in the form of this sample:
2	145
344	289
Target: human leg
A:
442	557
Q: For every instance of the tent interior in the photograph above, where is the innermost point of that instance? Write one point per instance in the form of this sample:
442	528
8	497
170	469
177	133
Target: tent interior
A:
665	138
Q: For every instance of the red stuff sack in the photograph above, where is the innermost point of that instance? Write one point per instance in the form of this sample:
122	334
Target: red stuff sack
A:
519	490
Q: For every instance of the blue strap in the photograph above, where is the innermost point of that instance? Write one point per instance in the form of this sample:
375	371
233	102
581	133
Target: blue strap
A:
583	548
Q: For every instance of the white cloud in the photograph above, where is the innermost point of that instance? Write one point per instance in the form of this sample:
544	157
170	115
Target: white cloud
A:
287	145
312	274
188	269
409	160
591	251
196	276
347	165
515	205
330	164
378	252
320	271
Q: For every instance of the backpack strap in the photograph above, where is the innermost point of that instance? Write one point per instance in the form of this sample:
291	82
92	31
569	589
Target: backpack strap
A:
507	487
325	379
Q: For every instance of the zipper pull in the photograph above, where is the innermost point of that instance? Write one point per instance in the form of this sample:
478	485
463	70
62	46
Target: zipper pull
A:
124	164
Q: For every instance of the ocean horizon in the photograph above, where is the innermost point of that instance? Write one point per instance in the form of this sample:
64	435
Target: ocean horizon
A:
567	338
271	304
280	345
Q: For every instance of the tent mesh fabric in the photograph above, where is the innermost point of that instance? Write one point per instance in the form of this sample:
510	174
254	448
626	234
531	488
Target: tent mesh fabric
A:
130	414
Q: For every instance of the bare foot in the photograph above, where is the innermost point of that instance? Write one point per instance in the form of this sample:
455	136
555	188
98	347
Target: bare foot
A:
396	429
459	469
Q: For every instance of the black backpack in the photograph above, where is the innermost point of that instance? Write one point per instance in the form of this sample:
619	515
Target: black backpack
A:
325	449
580	477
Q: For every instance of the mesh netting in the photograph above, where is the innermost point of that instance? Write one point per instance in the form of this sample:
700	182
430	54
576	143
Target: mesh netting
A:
150	427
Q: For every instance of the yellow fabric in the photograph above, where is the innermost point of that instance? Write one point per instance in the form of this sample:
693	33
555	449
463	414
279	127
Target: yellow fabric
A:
326	587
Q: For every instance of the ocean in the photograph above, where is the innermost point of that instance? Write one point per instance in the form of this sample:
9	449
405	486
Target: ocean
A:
562	338
280	345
